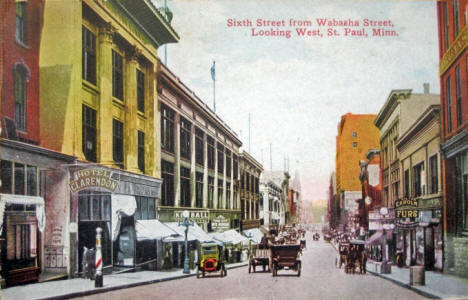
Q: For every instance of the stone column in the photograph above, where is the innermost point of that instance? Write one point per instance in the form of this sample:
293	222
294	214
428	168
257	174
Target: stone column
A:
223	200
104	137
205	171
130	98
177	161
153	127
215	193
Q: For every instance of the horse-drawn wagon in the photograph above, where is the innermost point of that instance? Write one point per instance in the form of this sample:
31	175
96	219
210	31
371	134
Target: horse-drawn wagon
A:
260	257
285	257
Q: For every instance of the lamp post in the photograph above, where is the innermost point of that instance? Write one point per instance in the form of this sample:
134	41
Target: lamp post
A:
186	223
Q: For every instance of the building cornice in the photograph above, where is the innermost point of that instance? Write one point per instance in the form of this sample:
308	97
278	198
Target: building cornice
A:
176	85
431	113
20	146
390	105
456	144
249	158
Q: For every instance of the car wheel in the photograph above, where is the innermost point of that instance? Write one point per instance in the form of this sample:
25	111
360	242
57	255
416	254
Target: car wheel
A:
299	270
198	272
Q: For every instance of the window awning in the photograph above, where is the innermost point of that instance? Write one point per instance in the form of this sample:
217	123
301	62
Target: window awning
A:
254	234
121	205
375	239
152	230
195	233
38	202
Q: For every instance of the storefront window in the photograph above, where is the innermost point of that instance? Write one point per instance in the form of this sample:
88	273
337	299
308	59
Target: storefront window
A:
32	181
94	206
5	176
146	208
19	179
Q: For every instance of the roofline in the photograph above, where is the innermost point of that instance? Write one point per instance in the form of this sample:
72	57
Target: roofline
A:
167	75
390	104
251	159
430	113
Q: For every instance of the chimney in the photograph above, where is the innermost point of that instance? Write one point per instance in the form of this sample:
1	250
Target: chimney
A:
426	88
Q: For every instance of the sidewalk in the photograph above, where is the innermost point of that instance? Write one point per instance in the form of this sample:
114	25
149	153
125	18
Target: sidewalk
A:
78	287
438	285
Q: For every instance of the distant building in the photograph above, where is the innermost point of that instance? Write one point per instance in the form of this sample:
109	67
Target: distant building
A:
356	134
250	171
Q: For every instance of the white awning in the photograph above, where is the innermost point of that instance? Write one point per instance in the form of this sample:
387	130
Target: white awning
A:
230	237
153	230
121	205
254	234
38	202
191	235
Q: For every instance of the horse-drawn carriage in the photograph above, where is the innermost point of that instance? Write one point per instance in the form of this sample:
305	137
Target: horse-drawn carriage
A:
285	257
352	254
316	236
260	257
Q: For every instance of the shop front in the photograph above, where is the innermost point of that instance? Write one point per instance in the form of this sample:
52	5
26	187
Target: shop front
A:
32	193
113	200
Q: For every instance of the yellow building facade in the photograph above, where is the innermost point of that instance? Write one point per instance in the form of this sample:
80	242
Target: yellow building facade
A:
119	39
356	135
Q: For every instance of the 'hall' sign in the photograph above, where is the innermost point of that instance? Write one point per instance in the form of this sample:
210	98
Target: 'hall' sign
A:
93	178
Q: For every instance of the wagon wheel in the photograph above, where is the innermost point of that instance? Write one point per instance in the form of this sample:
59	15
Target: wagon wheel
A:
198	272
299	270
250	265
225	271
274	271
203	273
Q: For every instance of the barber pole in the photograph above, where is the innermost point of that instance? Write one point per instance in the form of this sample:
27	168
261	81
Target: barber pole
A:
98	265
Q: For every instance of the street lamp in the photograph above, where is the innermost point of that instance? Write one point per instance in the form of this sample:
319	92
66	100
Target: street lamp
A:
186	223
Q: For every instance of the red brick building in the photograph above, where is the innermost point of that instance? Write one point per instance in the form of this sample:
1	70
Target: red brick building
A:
453	69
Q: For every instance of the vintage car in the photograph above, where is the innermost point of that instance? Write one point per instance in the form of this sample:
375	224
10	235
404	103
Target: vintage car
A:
211	260
285	257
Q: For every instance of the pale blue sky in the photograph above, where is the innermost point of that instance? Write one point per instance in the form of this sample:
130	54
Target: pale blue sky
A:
296	89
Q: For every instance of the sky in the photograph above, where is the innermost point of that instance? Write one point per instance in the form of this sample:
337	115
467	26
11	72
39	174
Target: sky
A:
296	89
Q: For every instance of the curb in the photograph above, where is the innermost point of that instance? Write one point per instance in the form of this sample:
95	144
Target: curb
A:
126	286
406	285
402	284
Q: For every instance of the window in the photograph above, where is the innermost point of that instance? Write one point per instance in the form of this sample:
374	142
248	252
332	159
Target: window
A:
220	193
199	153
167	129
146	208
6	172
20	182
458	94
407	184
211	154
210	191
31	181
434	174
20	32
235	166
354	134
199	189
21	74
234	199
18	179
167	188
446	26
456	17
89	133
417	179
141	151
228	163
228	195
118	152
88	64
140	91
185	187
396	187
220	158
354	144
94	206
449	104
185	127
242	209
117	75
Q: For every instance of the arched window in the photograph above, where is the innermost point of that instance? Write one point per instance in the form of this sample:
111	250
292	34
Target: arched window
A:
21	75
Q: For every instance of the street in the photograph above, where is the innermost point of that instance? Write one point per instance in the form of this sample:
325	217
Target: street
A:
319	280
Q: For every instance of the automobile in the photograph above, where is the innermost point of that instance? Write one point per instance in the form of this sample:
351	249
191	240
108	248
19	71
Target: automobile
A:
211	260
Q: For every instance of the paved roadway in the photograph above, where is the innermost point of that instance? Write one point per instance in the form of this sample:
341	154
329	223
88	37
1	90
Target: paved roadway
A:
319	280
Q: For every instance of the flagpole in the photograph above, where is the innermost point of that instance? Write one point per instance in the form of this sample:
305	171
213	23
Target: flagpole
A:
213	76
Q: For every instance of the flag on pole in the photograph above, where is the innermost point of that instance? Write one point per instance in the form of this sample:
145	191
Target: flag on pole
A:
213	71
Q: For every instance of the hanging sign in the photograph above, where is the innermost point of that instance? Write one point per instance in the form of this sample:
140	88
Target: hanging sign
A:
406	212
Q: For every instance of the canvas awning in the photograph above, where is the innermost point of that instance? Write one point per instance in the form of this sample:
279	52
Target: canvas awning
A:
38	202
230	237
153	230
254	234
121	205
375	239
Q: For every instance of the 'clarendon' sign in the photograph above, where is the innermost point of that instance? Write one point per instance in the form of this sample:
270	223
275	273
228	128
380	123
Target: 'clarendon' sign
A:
93	178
